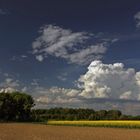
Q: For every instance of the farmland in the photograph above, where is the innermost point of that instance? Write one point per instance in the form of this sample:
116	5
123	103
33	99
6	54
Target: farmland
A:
101	123
23	131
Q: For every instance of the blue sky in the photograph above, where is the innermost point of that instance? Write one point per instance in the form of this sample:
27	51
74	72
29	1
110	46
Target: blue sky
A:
46	46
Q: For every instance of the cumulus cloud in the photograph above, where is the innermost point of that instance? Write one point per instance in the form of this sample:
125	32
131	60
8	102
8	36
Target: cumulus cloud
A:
137	18
103	86
61	97
111	81
57	96
69	45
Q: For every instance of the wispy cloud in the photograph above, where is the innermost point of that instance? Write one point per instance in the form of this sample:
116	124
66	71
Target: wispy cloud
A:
9	82
9	85
19	58
24	56
137	18
4	11
35	82
62	77
57	96
75	47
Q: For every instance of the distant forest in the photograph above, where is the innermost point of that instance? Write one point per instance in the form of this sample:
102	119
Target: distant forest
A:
79	114
18	106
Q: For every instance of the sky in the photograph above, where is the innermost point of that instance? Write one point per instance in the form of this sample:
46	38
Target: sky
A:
72	53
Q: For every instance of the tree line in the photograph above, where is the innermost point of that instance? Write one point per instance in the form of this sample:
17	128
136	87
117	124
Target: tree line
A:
79	114
18	106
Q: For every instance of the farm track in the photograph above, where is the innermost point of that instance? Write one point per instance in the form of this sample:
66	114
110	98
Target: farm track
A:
17	131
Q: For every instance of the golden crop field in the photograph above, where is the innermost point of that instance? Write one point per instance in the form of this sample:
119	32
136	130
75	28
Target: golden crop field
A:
23	131
121	124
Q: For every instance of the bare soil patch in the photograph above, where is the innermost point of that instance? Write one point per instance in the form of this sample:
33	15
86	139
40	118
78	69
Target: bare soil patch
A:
17	131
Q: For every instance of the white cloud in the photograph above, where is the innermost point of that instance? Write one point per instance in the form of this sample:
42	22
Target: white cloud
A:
103	86
55	95
9	82
126	95
40	58
110	81
85	56
61	97
19	58
71	46
137	18
9	85
7	90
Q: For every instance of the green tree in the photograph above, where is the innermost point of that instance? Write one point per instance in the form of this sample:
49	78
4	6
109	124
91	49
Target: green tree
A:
15	106
101	114
113	114
7	107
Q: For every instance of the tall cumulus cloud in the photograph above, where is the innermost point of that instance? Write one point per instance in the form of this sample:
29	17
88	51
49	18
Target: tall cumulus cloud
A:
103	86
111	81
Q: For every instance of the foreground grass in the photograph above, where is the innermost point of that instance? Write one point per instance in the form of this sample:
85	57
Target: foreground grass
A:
116	124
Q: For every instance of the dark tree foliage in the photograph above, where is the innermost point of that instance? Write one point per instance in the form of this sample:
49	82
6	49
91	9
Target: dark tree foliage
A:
75	114
15	106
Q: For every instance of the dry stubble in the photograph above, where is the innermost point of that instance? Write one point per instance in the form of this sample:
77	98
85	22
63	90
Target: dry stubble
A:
14	131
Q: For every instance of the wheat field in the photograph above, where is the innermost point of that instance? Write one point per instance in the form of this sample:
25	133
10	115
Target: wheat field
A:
16	131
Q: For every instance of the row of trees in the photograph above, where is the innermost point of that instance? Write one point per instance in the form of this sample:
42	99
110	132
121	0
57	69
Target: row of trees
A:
17	106
79	114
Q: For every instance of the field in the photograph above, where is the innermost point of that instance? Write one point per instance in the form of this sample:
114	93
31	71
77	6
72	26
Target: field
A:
116	124
17	131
